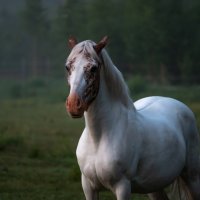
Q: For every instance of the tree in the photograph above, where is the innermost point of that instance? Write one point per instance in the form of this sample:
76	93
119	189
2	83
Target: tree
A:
70	19
35	25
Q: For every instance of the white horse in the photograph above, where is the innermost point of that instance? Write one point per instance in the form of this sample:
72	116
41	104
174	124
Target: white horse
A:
125	147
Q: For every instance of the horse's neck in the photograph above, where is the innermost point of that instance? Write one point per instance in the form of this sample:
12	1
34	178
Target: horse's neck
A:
104	112
114	80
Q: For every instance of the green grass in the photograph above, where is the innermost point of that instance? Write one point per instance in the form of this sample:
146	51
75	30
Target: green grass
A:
38	139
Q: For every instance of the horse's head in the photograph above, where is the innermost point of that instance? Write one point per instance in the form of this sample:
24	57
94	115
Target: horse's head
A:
83	67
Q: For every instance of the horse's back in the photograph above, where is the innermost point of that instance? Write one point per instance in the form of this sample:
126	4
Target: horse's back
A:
158	105
155	101
171	110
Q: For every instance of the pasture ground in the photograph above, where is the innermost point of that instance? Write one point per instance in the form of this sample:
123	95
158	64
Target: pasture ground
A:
38	139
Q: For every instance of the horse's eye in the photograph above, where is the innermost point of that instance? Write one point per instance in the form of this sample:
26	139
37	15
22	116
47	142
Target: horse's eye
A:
93	69
67	68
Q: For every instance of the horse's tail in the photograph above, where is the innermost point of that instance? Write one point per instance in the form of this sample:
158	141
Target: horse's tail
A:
180	191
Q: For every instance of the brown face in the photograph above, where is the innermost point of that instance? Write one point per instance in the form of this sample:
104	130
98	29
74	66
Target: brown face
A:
83	69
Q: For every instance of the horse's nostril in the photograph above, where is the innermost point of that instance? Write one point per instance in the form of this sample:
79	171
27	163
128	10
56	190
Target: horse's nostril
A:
78	103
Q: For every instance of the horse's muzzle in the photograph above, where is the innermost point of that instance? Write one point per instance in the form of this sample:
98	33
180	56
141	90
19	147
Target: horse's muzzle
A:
75	106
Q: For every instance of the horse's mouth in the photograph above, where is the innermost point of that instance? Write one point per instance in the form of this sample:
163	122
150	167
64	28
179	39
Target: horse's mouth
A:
76	116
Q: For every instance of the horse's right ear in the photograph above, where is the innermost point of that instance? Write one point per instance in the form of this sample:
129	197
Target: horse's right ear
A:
100	45
72	42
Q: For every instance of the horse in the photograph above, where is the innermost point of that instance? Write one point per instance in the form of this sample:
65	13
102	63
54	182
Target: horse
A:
141	147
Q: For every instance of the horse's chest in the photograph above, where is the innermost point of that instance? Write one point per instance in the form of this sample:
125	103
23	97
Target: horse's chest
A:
100	168
88	168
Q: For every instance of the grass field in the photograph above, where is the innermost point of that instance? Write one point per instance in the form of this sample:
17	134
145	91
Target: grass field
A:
38	139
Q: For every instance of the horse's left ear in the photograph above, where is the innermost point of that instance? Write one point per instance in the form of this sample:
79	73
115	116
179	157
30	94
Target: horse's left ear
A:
100	45
72	42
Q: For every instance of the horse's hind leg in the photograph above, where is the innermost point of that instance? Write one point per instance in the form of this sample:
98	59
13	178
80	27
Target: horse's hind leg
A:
191	172
192	181
161	195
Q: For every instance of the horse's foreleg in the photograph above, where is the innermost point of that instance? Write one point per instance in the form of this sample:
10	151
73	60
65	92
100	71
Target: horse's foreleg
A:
90	193
161	195
123	190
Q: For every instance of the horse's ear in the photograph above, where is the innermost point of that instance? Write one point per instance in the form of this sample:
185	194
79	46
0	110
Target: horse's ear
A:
72	42
100	45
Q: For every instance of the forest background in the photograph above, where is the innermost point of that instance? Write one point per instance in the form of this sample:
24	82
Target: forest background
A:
158	40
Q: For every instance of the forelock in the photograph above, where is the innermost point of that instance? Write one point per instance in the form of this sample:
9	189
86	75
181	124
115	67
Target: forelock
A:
85	49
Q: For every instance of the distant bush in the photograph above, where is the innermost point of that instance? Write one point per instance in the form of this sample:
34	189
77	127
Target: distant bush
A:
16	91
38	82
10	142
34	153
52	89
137	84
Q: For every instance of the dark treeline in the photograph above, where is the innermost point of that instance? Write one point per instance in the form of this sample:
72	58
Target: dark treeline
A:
157	39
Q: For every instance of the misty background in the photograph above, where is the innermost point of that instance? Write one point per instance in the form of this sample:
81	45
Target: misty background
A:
158	40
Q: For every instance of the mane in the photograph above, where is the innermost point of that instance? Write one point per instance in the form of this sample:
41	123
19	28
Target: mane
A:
115	81
113	77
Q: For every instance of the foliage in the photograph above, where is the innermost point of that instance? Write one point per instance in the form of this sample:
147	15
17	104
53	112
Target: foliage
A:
147	37
33	18
137	85
35	25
